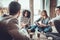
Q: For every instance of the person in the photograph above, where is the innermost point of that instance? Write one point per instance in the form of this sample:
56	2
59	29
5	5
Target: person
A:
55	22
42	23
25	19
57	18
9	29
57	10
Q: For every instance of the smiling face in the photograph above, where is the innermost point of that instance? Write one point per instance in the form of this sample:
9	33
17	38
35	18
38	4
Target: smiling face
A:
25	14
44	14
57	11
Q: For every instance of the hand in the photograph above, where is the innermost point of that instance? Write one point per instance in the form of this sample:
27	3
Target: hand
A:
23	24
43	25
51	23
35	22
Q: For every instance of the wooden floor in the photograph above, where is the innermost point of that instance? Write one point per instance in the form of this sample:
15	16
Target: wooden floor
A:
43	37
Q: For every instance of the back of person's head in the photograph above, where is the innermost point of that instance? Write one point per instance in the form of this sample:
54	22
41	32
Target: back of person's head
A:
28	13
14	8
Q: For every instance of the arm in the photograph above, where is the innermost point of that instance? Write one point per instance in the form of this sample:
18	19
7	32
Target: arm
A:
22	24
56	18
37	21
51	22
45	22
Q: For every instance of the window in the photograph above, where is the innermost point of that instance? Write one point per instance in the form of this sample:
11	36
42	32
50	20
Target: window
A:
5	3
24	4
58	2
38	6
47	6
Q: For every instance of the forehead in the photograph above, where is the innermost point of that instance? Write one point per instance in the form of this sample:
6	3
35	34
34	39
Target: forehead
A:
56	9
26	12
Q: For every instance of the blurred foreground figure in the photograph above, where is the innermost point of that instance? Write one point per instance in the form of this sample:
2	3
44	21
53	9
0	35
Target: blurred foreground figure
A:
9	24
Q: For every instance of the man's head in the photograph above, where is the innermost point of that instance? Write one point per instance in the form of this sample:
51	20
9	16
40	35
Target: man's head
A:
57	10
14	8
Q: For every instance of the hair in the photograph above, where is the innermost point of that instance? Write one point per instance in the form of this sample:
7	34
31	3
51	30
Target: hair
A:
28	13
45	12
14	7
58	7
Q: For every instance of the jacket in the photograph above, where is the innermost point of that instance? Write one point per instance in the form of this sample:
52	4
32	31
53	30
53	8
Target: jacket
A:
9	29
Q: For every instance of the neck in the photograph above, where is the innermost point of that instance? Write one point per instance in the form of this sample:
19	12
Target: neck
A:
45	17
15	16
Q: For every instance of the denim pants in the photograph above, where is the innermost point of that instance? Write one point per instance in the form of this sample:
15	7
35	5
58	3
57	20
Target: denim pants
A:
44	29
55	36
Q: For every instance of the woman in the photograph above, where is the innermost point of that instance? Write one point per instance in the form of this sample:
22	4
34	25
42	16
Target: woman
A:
25	20
42	23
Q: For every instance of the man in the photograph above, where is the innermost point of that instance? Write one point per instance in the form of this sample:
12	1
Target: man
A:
56	22
57	10
9	24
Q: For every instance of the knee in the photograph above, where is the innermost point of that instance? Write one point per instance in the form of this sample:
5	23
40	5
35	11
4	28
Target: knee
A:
48	30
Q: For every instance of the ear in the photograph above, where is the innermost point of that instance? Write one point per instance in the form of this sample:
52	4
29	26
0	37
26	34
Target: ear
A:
18	14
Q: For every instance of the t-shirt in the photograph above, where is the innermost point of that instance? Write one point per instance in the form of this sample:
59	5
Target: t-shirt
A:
56	18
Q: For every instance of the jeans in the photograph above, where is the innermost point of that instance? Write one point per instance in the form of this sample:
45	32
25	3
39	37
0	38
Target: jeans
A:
44	29
55	36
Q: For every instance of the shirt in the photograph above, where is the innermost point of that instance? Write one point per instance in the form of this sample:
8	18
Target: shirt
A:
56	18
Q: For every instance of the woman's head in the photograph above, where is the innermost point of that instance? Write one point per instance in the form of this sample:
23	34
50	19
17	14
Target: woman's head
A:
26	13
44	13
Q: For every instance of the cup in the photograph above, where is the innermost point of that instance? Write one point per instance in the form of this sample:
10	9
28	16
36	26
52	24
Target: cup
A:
31	35
38	34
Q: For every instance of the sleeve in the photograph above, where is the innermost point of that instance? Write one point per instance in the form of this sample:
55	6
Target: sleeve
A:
30	21
38	20
52	20
48	20
21	19
13	31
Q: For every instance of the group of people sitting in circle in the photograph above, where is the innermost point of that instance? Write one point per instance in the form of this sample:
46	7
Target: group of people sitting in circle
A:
9	29
41	24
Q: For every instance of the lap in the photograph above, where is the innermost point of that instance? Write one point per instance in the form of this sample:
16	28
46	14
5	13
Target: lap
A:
55	36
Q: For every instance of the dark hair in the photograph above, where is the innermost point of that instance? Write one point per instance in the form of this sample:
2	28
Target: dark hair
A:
14	7
45	12
58	7
28	13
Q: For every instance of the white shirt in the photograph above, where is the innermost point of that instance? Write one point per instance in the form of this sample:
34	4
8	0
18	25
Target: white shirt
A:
56	18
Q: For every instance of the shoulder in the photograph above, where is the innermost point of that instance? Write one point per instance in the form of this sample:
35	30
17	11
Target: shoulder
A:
48	18
13	24
15	21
